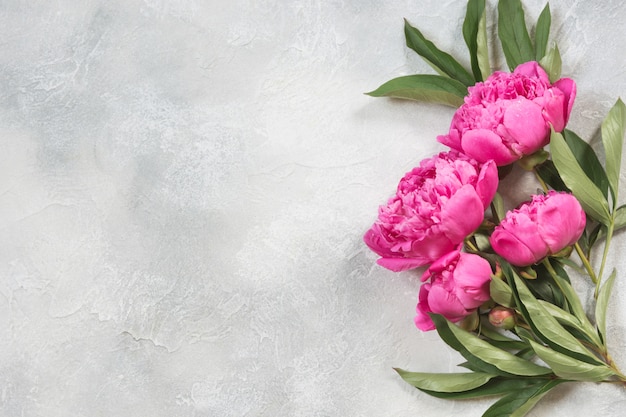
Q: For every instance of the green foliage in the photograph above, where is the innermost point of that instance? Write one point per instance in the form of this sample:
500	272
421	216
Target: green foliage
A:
551	63
447	383
588	194
475	35
516	43
602	303
439	60
519	402
613	128
423	87
542	32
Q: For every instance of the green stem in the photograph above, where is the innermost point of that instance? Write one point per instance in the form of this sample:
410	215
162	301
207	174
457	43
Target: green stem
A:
586	263
609	235
543	184
471	245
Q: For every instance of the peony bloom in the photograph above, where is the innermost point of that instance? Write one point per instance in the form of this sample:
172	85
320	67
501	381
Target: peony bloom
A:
543	226
459	284
437	205
509	115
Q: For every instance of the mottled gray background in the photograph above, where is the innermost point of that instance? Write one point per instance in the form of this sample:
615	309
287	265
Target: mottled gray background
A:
183	190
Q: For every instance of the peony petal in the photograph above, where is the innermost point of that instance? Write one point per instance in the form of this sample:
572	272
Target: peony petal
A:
402	264
487	183
510	248
472	276
422	319
484	145
462	214
561	220
525	124
553	103
568	88
446	303
452	139
532	69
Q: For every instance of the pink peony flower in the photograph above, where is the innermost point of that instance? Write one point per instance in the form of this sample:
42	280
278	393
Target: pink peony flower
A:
543	226
437	205
509	115
459	284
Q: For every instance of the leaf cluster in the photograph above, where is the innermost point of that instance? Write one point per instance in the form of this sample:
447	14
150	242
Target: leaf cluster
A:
450	85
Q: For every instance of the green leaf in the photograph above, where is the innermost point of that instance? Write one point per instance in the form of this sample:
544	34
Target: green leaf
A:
490	332
602	303
482	350
588	194
570	368
542	32
573	300
551	63
548	173
497	207
613	129
567	319
438	59
545	325
588	160
521	401
423	87
496	386
476	38
452	382
513	34
501	293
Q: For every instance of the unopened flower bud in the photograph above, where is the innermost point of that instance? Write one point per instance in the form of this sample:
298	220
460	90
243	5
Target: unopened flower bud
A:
502	317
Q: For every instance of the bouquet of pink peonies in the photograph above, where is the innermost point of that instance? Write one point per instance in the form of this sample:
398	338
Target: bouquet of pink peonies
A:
496	285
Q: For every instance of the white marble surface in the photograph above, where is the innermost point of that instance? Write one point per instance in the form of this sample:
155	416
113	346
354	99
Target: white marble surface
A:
184	187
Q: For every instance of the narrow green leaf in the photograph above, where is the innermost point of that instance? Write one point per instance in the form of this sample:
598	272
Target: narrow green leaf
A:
503	360
471	31
588	194
497	207
567	319
501	293
483	49
440	60
603	302
473	363
588	160
423	87
613	129
519	402
496	386
546	326
569	368
452	382
563	281
513	34
490	332
548	173
552	64
542	32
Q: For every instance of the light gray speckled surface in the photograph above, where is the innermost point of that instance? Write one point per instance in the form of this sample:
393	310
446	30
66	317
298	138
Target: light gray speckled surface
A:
183	193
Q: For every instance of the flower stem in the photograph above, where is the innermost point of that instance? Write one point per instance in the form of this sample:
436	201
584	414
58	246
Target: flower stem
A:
586	263
543	184
609	235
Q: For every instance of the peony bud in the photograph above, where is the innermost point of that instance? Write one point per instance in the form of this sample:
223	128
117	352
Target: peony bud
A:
539	228
502	317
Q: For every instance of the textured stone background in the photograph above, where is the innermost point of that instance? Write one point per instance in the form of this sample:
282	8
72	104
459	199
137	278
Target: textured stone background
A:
183	190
